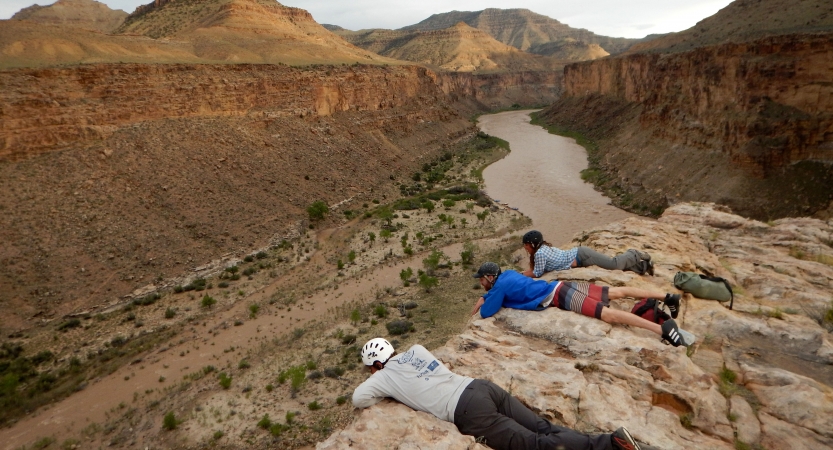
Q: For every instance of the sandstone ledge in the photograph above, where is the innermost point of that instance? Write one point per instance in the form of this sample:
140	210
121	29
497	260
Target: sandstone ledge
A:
591	376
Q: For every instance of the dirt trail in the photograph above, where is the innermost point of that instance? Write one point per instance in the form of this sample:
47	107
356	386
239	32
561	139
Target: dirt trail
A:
541	177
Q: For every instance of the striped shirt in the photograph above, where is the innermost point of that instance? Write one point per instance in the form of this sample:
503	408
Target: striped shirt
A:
548	259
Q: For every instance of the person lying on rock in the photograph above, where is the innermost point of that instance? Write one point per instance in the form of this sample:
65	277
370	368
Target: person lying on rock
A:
543	258
478	408
510	289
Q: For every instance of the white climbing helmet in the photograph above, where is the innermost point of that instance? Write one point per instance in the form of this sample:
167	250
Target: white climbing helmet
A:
376	349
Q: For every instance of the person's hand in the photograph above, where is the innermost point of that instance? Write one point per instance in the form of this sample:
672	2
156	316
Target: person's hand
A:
478	305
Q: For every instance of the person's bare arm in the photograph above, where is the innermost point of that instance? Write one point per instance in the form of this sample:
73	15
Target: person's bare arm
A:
477	305
529	273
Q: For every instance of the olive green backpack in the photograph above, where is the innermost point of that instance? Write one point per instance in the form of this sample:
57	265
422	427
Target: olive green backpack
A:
702	286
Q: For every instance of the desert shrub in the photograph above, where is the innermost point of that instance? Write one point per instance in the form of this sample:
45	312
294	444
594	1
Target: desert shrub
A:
147	300
340	264
218	434
314	375
317	210
427	282
169	313
314	406
261	255
69	324
295	375
265	422
254	308
355	316
170	422
249	271
277	429
399	327
222	284
333	372
381	311
243	364
225	380
208	301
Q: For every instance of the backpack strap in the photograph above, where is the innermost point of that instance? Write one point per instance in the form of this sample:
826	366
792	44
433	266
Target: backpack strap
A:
645	308
728	286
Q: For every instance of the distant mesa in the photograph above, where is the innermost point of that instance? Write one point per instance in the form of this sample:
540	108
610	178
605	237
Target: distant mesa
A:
84	14
524	30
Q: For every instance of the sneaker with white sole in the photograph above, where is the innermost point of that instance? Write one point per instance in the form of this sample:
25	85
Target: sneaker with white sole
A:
622	440
671	333
673	303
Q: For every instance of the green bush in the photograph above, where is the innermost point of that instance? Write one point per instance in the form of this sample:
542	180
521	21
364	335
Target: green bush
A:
169	422
381	311
261	255
225	380
314	406
208	301
317	210
341	400
277	429
265	423
169	313
427	282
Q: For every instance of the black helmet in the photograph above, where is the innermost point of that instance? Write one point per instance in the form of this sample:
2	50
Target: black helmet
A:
487	268
533	237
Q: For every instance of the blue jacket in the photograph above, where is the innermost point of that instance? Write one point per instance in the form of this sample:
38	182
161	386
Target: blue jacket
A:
514	290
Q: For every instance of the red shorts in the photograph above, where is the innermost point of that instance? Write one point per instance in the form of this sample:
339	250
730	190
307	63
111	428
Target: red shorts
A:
584	298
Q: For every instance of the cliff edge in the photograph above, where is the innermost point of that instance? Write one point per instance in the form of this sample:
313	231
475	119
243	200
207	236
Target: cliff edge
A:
757	375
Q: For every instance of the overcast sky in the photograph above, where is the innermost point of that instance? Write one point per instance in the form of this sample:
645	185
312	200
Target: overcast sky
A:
633	19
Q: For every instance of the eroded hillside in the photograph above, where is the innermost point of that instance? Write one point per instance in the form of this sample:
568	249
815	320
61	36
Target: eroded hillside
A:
126	174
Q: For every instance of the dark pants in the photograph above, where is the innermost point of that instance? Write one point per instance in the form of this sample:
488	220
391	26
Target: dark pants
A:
630	260
502	422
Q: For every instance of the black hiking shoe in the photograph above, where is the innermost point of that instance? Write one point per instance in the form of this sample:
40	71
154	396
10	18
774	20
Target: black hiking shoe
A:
671	333
672	301
622	440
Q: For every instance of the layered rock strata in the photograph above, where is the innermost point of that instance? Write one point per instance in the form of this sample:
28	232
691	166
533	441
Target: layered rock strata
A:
757	375
746	124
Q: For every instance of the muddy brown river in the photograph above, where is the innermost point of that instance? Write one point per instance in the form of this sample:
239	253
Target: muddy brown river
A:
541	177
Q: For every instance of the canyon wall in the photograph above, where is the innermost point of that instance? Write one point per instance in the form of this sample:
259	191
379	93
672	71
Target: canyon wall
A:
763	108
501	90
46	109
